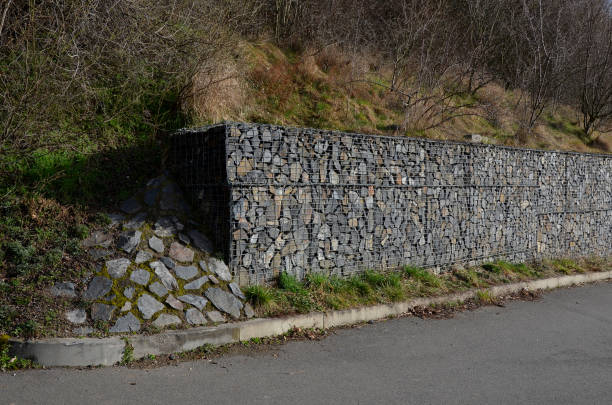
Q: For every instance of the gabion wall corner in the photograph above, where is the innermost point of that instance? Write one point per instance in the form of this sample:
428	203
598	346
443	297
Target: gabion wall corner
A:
306	200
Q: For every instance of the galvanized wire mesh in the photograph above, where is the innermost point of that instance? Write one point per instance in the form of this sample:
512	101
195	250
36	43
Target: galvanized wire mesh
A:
305	200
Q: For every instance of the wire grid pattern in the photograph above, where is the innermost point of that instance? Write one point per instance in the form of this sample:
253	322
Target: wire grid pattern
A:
306	200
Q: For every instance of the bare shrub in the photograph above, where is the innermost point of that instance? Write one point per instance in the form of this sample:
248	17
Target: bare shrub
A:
86	74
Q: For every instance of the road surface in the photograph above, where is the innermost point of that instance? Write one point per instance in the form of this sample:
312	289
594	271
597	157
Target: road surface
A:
555	350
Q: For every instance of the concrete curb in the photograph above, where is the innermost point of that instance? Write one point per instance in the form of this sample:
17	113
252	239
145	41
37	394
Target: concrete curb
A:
109	351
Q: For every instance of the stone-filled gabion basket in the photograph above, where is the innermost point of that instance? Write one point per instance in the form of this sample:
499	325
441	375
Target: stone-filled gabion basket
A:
306	200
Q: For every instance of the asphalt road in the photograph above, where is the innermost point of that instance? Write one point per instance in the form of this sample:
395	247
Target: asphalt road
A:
555	350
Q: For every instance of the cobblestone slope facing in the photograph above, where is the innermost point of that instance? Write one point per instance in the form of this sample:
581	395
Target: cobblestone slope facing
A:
306	200
155	269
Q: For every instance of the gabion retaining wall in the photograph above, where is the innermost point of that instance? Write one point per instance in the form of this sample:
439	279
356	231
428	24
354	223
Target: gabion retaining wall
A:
306	200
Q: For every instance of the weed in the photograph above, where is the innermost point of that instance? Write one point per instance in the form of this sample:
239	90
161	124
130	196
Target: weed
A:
374	278
8	362
128	353
566	266
422	276
259	295
318	281
357	284
394	293
393	280
288	282
81	231
101	218
301	302
470	277
501	267
484	297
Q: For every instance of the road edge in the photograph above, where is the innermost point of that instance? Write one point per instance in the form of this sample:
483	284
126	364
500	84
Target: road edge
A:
109	351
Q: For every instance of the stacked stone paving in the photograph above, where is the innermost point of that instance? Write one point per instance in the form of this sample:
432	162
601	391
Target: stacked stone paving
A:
155	267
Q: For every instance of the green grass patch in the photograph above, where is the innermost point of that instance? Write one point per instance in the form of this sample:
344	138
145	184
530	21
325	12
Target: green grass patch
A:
422	275
259	295
319	292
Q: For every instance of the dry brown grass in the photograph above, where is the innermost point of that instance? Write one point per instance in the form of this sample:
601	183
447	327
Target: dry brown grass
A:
332	89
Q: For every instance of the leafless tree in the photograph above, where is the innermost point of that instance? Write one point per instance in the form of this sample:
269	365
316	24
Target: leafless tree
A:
540	56
592	87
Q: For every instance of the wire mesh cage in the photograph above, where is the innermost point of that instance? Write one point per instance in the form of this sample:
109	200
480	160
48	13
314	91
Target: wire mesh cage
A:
306	200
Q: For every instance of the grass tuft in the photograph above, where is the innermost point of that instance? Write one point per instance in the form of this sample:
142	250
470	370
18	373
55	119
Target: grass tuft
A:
422	276
318	281
288	282
259	295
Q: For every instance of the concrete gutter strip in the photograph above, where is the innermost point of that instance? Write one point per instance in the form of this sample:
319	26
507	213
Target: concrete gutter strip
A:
109	351
71	352
175	341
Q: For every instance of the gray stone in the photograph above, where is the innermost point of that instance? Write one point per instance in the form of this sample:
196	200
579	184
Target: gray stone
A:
164	227
164	320
142	257
82	330
76	316
102	312
215	316
224	301
127	323
128	292
236	291
184	238
168	262
129	240
151	196
180	253
126	307
140	276
117	268
200	241
97	254
172	199
248	311
98	287
98	238
174	303
115	219
156	181
186	272
213	279
476	138
137	222
196	284
194	317
156	244
158	289
164	275
195	300
219	268
203	265
64	290
149	306
130	206
178	224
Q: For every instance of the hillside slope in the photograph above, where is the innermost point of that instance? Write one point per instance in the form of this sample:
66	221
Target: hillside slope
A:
332	90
